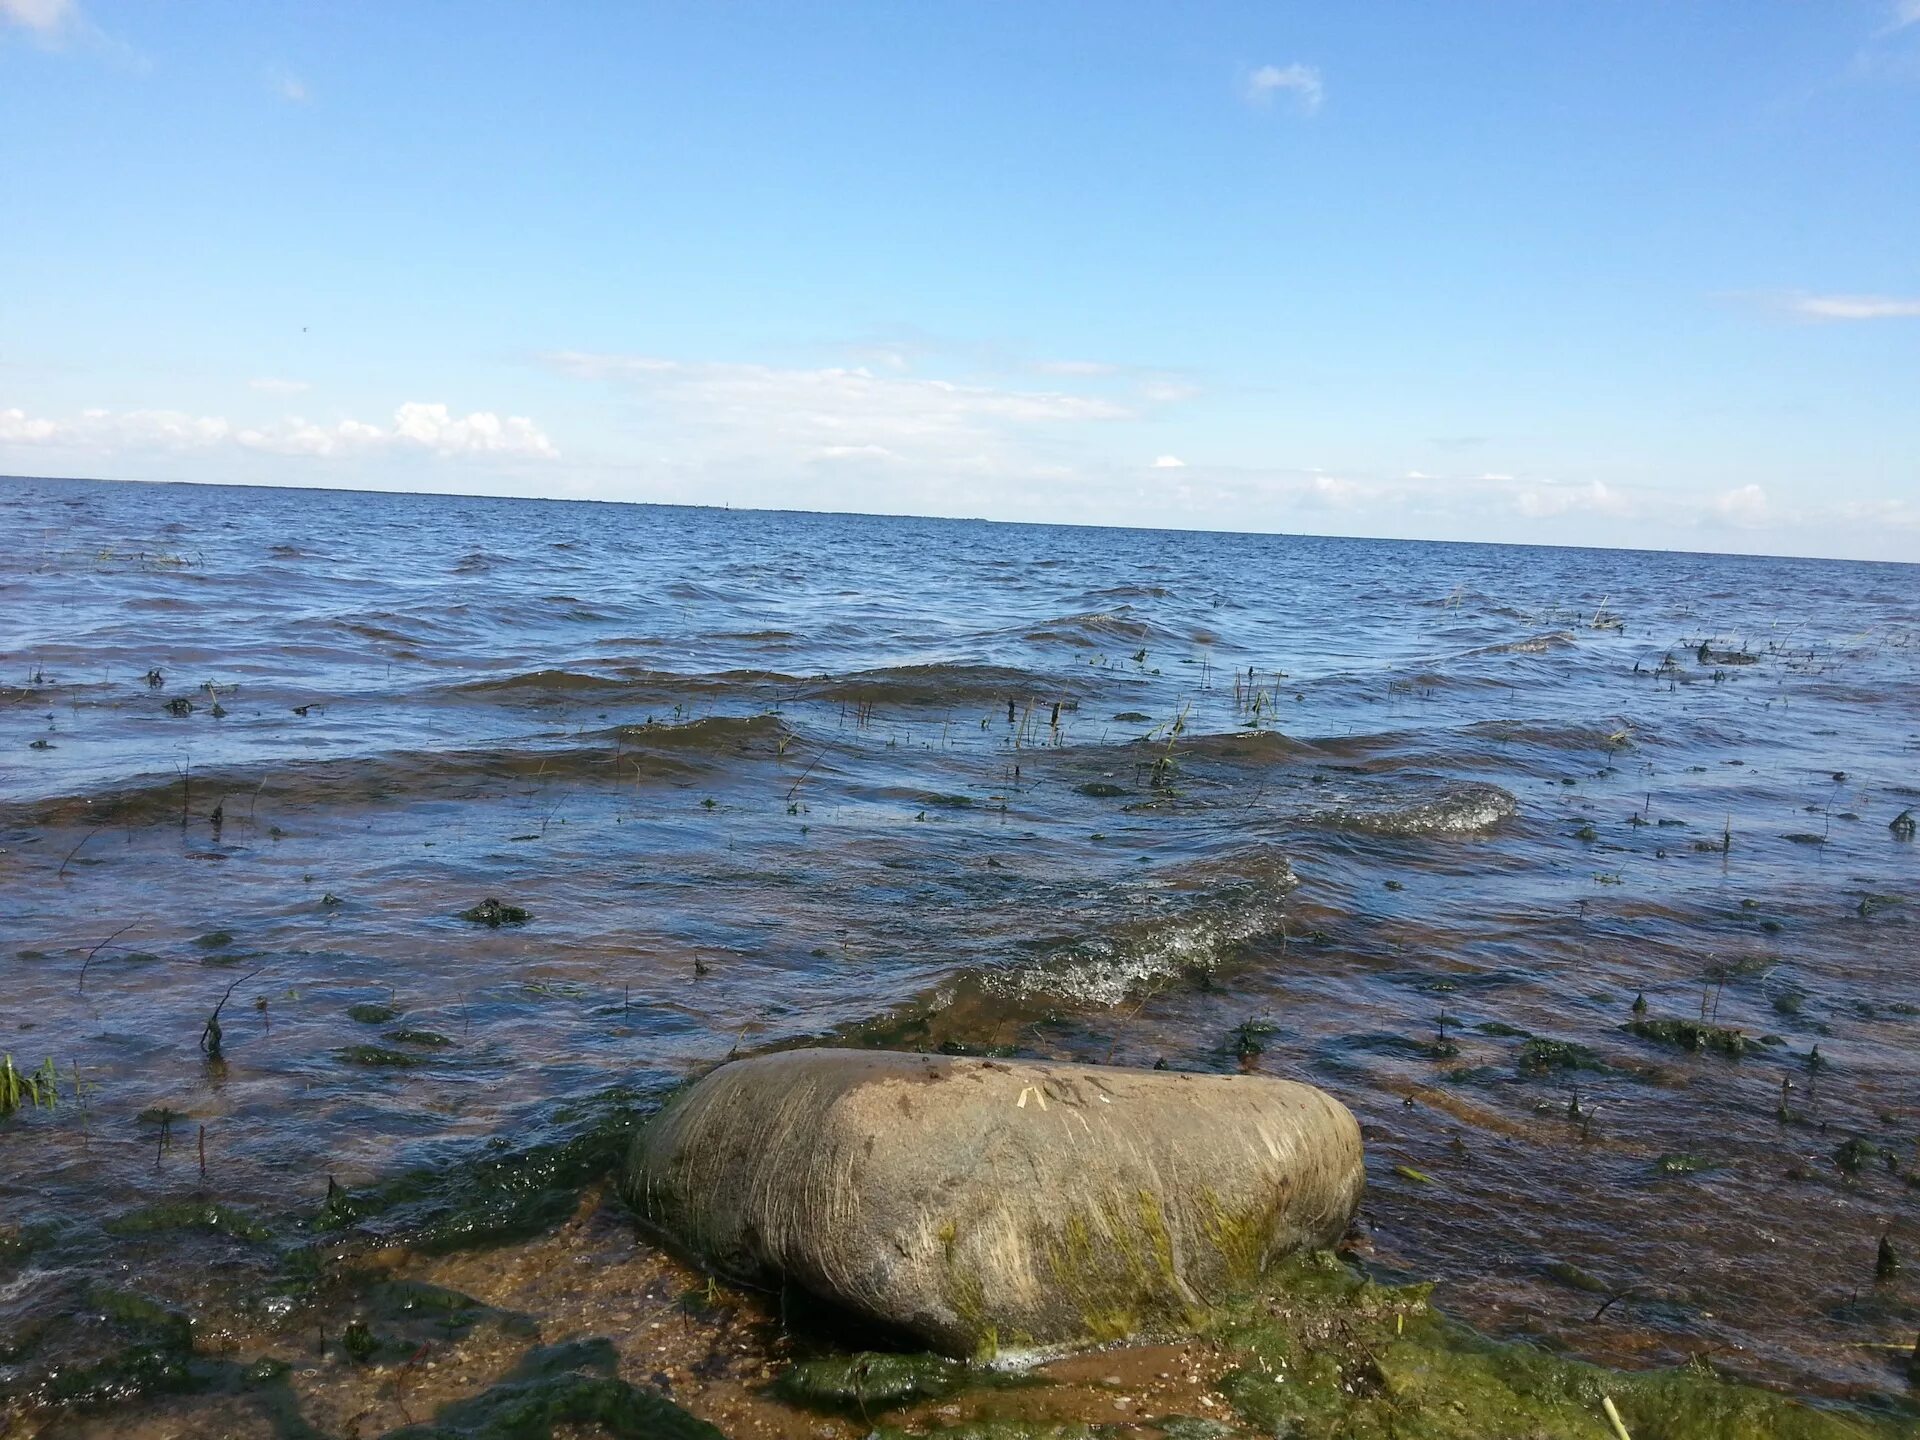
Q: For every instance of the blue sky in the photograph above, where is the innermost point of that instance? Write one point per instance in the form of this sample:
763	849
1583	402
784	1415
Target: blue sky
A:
1627	274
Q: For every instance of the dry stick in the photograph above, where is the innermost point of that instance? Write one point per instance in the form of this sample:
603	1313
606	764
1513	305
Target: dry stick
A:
81	986
212	1028
73	852
808	771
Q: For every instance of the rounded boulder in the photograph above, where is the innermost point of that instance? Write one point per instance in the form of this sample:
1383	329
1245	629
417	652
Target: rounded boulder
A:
994	1207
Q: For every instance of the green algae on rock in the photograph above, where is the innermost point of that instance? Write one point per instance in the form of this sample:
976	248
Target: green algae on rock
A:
872	1380
1319	1352
992	1206
493	914
1692	1035
570	1384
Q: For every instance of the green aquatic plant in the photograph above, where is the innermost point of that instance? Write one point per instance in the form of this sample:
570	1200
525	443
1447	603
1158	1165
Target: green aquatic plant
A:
1691	1035
377	1057
574	1385
359	1342
495	1196
1249	1039
1539	1056
432	1039
873	1380
39	1088
1321	1353
203	1215
1853	1153
493	914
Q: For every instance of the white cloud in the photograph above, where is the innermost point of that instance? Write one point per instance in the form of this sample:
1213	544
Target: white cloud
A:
47	18
1169	462
1854	307
1542	500
289	87
1302	82
710	412
271	386
481	433
1743	505
1904	13
416	426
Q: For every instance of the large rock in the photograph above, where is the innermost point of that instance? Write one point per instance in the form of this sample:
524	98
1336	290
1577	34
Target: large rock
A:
996	1206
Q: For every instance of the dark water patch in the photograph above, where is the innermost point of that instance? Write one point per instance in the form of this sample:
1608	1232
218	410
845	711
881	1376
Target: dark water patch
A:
949	684
649	752
622	685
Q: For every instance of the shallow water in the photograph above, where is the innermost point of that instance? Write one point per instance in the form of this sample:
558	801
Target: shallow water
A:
1349	811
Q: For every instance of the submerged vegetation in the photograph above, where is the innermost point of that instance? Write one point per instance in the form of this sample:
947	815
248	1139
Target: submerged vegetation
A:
494	913
1418	826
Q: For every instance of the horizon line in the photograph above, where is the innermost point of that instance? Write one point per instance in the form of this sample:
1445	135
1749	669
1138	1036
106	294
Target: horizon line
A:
962	519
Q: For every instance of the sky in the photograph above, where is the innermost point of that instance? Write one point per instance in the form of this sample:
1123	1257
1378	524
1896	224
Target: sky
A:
1582	273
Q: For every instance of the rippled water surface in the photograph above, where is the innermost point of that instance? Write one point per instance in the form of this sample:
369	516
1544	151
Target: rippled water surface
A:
1582	876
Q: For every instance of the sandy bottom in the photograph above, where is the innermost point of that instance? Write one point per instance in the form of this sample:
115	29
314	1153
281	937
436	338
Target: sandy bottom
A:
712	1350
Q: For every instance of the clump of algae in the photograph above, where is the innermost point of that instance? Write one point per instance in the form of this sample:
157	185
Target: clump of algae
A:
1321	1353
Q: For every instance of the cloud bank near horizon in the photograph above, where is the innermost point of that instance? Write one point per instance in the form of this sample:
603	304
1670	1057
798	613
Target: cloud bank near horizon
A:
417	426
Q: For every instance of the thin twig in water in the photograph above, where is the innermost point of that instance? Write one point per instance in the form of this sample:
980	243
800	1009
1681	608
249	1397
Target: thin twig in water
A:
81	986
73	852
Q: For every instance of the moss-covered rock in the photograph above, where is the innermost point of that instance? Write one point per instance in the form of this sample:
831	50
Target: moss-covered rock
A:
992	1206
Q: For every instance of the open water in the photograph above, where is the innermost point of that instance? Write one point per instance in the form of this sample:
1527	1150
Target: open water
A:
1586	878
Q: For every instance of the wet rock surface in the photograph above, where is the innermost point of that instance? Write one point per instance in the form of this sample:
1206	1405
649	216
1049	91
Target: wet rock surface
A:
996	1206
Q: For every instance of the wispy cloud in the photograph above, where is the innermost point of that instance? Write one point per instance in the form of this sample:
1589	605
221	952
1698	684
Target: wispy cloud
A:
1302	82
49	19
417	426
1169	462
270	386
1852	307
288	86
718	412
62	25
1744	505
1902	14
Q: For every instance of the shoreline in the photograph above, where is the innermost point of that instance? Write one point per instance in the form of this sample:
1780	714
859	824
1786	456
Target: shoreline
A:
397	1324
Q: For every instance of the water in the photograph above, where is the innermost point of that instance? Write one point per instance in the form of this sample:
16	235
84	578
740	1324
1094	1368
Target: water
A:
1353	812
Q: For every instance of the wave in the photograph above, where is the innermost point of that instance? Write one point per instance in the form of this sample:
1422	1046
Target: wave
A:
946	684
1092	629
639	686
1448	808
629	753
1204	913
1541	644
